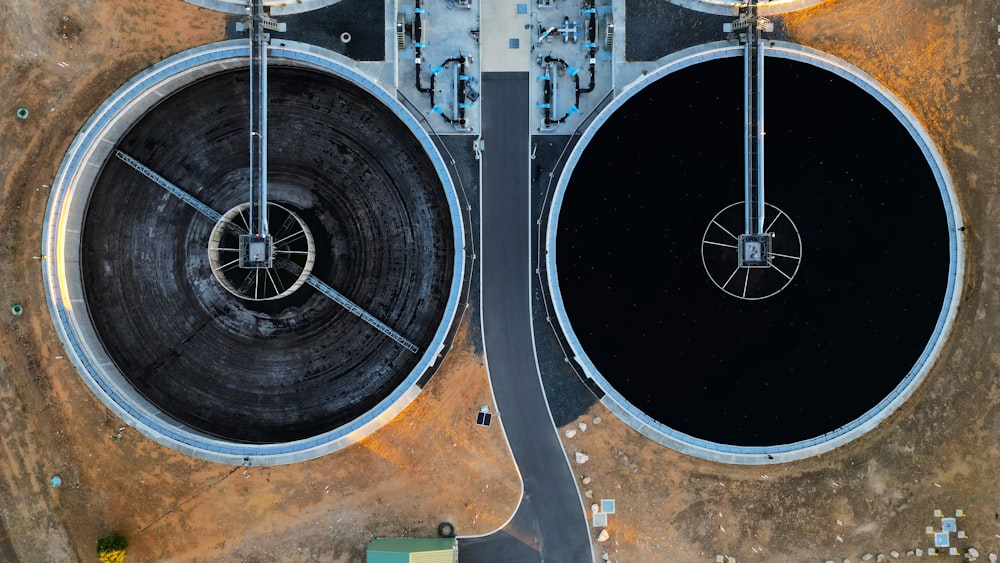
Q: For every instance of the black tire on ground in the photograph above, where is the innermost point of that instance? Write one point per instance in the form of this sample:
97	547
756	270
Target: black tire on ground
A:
446	530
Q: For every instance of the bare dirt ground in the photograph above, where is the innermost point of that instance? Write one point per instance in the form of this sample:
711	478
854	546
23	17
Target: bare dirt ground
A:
940	451
431	464
874	495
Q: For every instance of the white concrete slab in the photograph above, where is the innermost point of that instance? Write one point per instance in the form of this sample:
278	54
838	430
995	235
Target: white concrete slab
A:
505	24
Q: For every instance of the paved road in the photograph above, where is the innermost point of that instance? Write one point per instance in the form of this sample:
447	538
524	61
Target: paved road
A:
549	524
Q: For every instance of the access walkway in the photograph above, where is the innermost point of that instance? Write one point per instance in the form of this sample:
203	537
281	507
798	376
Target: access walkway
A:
549	524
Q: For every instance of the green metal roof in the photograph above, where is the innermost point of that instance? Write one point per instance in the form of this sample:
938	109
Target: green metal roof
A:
399	550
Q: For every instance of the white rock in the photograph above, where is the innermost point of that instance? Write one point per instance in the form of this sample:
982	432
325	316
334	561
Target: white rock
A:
604	535
894	554
594	508
973	552
993	558
586	480
582	426
570	433
605	556
867	557
597	420
880	557
919	552
582	457
588	493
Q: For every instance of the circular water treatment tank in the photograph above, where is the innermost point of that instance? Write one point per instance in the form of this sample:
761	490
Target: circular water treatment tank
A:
275	364
838	329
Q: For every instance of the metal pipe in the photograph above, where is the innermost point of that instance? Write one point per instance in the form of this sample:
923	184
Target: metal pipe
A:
258	121
753	126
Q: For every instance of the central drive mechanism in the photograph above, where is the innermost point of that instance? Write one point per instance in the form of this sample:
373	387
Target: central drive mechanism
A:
261	268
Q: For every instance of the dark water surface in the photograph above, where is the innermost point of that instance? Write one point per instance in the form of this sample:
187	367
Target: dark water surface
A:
298	366
812	358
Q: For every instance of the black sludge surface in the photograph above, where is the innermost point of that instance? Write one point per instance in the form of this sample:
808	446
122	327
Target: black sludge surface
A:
799	364
279	370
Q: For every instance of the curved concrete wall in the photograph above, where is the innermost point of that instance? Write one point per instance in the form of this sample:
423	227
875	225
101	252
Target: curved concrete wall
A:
61	246
782	452
732	8
277	7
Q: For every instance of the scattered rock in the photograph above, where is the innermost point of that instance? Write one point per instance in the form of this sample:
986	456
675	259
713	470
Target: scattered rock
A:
830	561
880	557
582	426
867	557
586	480
570	433
605	556
909	553
604	535
973	553
582	457
919	552
597	420
894	554
588	493
594	508
993	558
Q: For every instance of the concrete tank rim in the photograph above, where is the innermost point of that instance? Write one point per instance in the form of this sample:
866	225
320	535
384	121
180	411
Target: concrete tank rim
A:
72	323
277	7
732	7
780	453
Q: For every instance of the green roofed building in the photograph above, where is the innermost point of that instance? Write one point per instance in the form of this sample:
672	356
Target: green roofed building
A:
413	550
